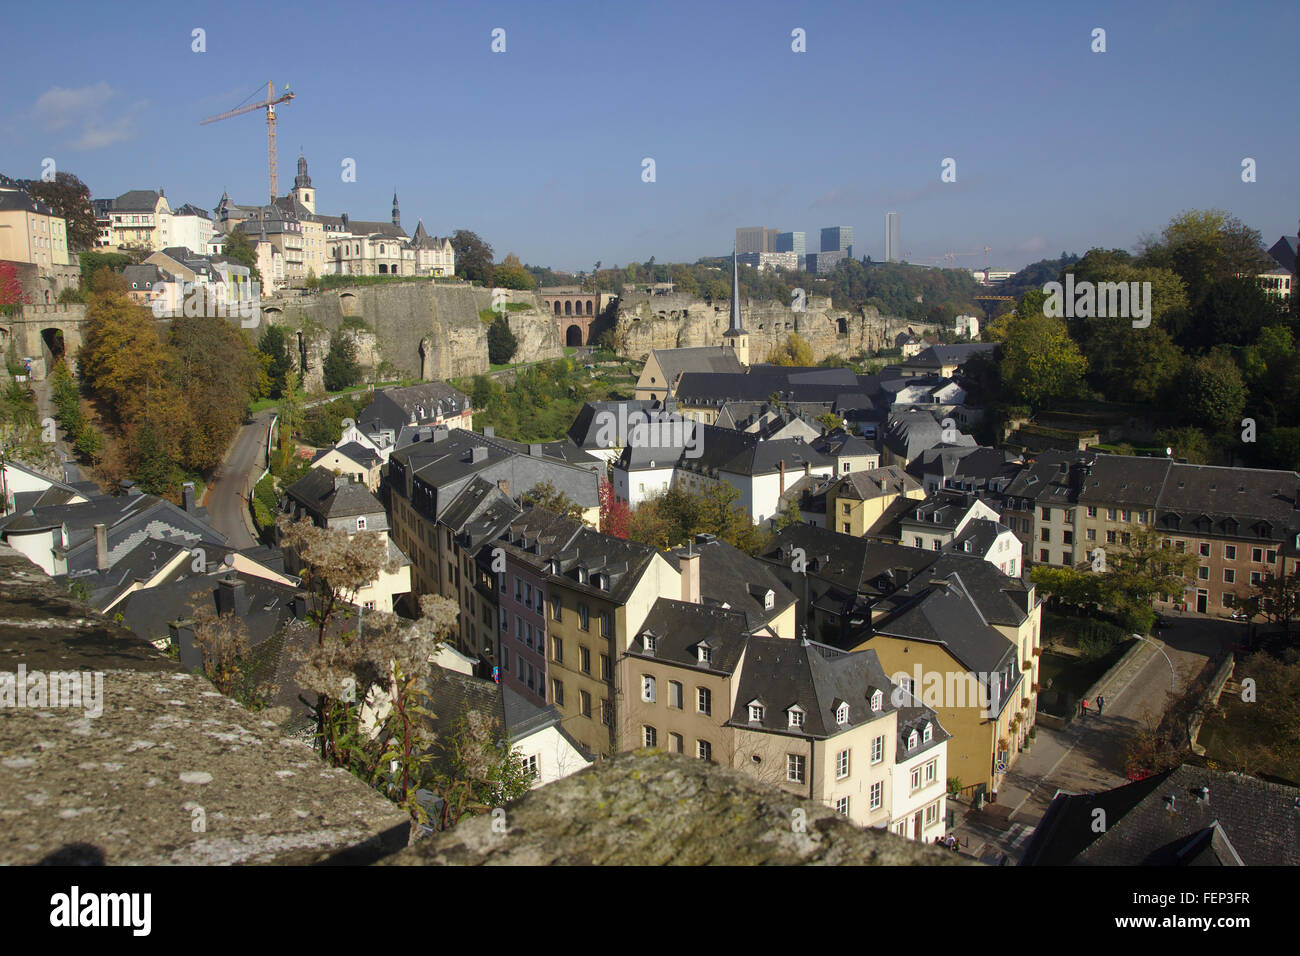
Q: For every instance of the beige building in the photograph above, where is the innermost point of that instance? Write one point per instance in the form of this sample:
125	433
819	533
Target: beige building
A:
30	231
139	219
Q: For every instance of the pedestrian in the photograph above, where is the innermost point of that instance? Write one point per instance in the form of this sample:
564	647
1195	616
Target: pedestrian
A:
1083	704
1100	700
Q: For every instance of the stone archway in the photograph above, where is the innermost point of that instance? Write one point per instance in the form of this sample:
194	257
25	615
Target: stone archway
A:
52	347
573	336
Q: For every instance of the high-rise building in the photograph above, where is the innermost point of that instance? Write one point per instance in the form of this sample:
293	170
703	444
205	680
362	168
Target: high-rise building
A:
796	242
893	251
755	239
838	239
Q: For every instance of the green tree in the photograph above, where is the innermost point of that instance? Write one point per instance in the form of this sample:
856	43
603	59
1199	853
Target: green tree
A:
473	257
511	274
545	495
274	344
340	369
502	343
240	248
1214	393
1040	363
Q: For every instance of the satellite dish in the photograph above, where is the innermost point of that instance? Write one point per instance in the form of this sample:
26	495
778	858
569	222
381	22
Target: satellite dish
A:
229	559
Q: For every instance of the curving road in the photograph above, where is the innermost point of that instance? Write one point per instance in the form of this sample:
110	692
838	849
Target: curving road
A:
227	499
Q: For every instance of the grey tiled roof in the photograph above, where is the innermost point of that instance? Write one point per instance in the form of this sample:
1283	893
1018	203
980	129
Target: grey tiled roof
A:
1240	821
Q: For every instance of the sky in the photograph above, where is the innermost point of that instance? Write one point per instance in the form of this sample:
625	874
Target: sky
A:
541	149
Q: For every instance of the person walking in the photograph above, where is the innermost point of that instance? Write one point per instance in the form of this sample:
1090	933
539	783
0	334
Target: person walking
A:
1100	700
1083	712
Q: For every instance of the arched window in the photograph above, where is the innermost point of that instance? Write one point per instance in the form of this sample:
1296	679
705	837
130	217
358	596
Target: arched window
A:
568	307
557	306
589	307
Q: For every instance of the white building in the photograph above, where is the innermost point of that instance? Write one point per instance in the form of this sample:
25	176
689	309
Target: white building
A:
191	227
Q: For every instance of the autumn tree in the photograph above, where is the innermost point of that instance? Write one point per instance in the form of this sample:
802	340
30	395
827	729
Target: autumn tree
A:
216	393
794	351
546	496
615	515
511	274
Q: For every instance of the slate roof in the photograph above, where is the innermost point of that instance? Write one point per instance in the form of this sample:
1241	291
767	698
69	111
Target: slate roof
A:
939	609
675	362
939	355
1242	821
1257	499
1121	479
910	432
781	674
678	627
1284	253
142	278
730	576
874	483
137	200
827	386
851	564
413	405
942	510
842	444
739	453
323	497
591	426
977	537
188	209
914	719
1001	600
353	451
12	200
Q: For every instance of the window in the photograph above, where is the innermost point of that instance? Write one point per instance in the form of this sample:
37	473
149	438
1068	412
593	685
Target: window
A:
845	509
704	701
1111	537
877	750
675	694
842	806
794	767
505	659
916	779
704	653
1229	576
1203	573
584	617
584	660
1205	550
649	737
1256	577
1047	514
647	688
841	765
531	766
361	524
931	771
877	795
1092	534
1092	511
528	594
557	693
1069	537
605	624
845	528
756	713
703	750
1270	557
606	670
796	717
842	714
877	700
606	712
584	703
675	743
1045	535
1044	556
1230	552
557	650
927	733
557	609
650	642
518	590
1257	555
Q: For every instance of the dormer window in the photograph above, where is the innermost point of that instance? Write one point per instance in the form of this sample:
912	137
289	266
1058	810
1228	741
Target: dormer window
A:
582	575
756	711
796	715
704	653
842	713
769	600
912	740
877	701
927	732
602	581
361	524
651	642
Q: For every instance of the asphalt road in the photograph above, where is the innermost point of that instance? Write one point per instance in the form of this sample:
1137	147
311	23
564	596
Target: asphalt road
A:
227	500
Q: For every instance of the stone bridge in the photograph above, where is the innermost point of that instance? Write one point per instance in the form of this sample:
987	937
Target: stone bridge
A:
44	333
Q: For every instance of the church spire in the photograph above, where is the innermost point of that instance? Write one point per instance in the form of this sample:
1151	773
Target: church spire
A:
736	327
397	216
302	179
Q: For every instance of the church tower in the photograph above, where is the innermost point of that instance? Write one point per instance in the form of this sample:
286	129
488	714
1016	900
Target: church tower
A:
736	337
397	216
302	190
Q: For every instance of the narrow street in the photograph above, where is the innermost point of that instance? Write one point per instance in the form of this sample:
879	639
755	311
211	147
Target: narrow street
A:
227	498
1090	753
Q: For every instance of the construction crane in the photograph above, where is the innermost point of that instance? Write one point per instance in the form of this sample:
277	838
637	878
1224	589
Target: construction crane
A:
269	104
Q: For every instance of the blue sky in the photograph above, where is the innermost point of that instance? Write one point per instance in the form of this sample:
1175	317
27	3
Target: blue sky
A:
539	149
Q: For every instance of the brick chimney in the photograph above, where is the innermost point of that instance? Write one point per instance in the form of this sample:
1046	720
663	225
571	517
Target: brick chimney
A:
187	496
232	596
101	547
691	576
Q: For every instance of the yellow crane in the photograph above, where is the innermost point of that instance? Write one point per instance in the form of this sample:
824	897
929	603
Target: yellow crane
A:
269	104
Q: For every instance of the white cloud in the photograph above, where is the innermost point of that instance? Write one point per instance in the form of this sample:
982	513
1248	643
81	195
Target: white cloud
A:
83	116
58	108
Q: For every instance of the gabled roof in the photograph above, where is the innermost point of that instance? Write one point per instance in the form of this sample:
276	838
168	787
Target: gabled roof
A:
730	576
678	628
137	200
1168	820
709	358
813	677
324	496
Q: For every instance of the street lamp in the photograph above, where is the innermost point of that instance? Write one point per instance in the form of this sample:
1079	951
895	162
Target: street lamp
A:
1172	673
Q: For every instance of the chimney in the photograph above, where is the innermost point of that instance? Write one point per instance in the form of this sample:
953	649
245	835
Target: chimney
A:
187	496
807	469
489	431
782	491
128	487
340	482
101	547
232	597
691	577
440	434
478	453
902	576
535	451
504	485
298	604
1203	795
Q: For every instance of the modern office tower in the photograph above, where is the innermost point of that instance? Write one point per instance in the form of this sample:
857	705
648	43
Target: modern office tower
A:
755	239
796	242
838	239
893	251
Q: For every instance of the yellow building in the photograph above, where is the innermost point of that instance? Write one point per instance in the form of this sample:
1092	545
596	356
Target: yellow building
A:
30	231
858	500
